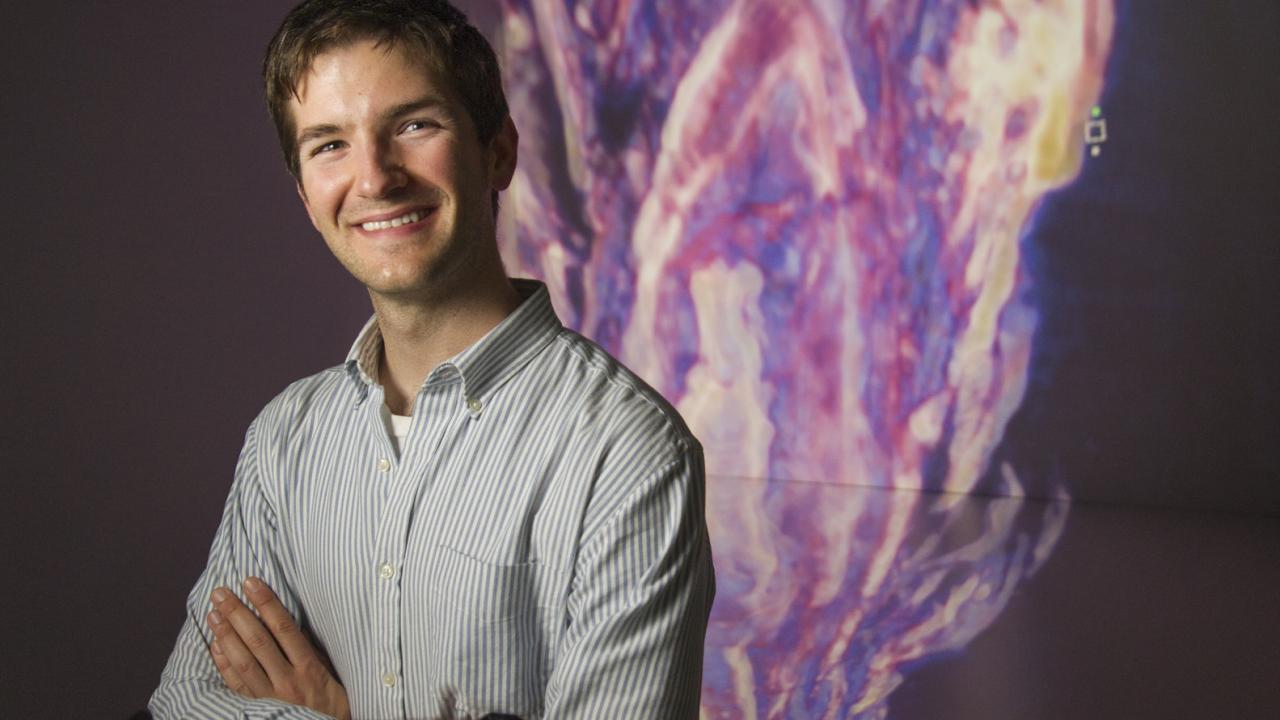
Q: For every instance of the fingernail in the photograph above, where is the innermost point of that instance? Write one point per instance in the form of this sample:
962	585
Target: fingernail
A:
216	649
220	596
252	585
215	618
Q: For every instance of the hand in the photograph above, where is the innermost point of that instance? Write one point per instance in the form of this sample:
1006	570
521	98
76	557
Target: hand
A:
275	660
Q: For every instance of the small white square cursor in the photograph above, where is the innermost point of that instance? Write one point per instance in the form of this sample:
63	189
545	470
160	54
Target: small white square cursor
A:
1095	131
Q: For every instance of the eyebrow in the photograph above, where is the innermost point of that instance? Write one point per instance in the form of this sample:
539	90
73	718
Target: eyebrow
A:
315	132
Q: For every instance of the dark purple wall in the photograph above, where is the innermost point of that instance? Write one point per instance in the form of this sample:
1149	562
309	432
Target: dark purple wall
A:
163	284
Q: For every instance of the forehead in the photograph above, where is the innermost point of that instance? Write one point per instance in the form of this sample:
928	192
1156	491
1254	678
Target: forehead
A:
365	74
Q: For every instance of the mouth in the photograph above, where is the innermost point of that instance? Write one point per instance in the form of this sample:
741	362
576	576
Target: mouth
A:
412	217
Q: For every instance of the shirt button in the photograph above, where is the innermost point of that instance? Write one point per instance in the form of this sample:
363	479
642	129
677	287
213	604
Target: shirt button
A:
385	571
473	405
389	679
384	464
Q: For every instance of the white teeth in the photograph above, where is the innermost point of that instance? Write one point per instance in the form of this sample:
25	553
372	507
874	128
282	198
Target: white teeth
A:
412	217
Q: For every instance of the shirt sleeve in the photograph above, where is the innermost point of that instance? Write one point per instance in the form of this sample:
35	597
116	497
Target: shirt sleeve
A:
639	604
245	544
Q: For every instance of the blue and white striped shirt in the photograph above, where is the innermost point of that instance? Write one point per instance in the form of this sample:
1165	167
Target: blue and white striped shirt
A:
538	549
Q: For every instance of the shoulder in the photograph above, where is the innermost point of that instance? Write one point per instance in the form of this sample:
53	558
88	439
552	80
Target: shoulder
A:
632	447
294	428
614	404
324	395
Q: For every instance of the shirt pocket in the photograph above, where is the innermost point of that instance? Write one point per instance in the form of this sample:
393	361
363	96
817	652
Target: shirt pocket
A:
494	655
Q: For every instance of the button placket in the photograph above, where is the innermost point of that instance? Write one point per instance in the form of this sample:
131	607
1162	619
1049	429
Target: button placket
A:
384	592
408	486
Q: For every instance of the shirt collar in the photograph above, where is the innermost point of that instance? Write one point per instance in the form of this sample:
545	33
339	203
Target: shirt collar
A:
488	362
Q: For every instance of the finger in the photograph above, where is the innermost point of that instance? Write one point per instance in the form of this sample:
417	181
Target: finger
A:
246	643
229	675
297	647
228	653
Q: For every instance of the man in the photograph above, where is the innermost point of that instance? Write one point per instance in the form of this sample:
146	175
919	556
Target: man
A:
478	513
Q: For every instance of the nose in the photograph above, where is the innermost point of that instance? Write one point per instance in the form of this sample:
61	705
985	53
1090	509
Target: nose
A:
380	171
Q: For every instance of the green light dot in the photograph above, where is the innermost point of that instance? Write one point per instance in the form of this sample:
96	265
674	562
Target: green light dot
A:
1097	111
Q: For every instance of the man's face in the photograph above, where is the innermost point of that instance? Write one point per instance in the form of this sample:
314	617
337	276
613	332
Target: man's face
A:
392	173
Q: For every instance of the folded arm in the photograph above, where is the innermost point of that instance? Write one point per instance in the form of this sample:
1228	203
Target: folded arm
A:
245	545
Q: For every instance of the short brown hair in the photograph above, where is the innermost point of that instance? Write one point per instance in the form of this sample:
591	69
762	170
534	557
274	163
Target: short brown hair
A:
441	33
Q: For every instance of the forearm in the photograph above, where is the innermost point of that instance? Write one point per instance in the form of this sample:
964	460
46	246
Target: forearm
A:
244	544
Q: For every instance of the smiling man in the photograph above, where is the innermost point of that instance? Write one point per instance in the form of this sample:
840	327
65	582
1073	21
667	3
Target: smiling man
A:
480	512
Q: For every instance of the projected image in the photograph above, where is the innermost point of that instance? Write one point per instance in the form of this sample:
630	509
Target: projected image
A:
802	222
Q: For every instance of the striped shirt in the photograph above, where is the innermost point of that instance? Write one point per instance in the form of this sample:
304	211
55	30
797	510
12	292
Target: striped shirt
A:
538	549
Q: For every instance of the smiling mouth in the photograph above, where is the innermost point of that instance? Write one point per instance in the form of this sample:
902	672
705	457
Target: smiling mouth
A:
406	219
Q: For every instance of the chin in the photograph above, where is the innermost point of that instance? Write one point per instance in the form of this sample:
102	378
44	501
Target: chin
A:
391	276
395	286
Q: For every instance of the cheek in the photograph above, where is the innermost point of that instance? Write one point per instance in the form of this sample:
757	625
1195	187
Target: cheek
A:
322	199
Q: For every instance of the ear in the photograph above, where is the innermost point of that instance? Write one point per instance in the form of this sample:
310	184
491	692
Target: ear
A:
502	155
306	203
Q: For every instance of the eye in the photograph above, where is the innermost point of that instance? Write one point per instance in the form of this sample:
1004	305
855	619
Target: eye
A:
326	147
419	125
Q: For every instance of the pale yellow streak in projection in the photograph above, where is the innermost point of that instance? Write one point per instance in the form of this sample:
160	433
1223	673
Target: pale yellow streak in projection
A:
517	36
743	683
927	587
778	707
917	638
916	642
736	509
882	678
836	520
1042	71
553	22
728	401
677	183
901	509
997	523
1057	149
685	167
848	628
727	398
555	262
926	420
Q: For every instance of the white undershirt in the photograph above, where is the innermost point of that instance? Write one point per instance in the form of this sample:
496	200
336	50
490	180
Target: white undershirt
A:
397	426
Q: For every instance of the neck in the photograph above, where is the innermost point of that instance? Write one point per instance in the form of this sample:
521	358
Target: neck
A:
419	333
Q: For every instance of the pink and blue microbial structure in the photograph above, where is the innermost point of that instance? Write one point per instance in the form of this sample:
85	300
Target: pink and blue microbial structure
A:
803	221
